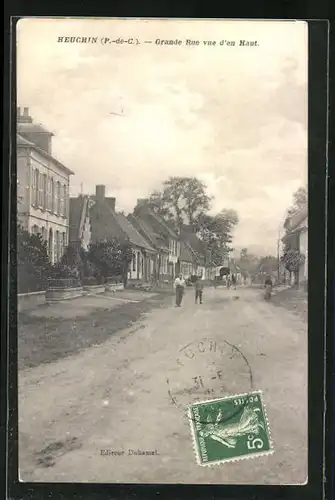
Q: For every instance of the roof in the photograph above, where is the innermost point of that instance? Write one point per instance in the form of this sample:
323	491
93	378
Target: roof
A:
134	236
145	212
186	254
154	238
195	244
77	209
28	127
21	141
294	220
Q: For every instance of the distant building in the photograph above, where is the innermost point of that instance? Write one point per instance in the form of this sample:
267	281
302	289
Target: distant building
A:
296	238
42	186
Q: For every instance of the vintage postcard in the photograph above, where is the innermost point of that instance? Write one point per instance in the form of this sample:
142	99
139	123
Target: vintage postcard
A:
162	251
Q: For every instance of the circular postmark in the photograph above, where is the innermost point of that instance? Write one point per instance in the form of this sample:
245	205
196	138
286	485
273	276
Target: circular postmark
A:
208	369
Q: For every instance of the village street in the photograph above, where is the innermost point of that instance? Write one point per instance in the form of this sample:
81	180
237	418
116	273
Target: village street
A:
131	392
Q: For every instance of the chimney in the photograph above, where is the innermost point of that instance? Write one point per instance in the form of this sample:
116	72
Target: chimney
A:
111	203
100	192
24	117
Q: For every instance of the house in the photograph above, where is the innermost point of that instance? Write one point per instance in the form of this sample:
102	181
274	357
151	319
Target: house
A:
42	186
296	238
169	268
201	255
188	260
160	270
94	219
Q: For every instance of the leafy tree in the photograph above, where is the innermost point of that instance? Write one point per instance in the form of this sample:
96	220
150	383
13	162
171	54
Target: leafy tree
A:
300	200
293	260
216	231
268	264
182	200
33	263
111	258
249	264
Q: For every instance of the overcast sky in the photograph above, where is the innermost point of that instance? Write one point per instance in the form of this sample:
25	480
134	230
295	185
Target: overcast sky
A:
235	117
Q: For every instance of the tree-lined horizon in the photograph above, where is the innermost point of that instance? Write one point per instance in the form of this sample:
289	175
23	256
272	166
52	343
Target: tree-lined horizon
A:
184	202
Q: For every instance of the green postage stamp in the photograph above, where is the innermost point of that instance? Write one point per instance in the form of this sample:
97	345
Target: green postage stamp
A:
230	429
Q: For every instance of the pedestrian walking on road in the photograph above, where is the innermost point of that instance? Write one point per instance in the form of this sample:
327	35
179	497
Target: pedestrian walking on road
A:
179	286
233	281
199	288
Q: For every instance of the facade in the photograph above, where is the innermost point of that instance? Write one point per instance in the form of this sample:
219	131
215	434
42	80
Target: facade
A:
42	186
296	238
160	270
198	251
169	267
94	219
80	230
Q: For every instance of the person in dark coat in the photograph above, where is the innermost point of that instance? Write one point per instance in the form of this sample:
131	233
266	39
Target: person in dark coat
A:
199	288
233	281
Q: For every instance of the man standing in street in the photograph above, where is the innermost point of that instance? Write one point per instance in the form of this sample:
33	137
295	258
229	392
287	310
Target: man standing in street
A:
199	287
179	286
233	281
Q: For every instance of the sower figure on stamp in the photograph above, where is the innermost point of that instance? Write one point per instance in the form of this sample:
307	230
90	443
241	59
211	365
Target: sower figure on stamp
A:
179	286
199	287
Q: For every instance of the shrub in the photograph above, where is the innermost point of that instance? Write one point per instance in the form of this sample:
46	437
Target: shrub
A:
110	258
33	263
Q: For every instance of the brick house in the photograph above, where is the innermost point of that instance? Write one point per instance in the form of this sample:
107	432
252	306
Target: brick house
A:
169	265
94	219
160	269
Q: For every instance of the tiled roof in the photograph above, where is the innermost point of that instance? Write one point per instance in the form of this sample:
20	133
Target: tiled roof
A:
146	213
32	127
77	206
134	236
143	226
21	141
196	245
186	255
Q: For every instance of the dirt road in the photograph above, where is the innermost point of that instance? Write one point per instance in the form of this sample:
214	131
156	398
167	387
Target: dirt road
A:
130	393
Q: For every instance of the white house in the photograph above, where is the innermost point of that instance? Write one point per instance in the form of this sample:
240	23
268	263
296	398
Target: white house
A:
42	186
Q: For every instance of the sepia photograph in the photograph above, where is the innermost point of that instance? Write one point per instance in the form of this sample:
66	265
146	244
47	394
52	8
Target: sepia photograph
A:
162	251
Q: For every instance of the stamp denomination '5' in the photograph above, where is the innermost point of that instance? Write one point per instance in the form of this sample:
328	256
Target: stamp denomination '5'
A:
230	429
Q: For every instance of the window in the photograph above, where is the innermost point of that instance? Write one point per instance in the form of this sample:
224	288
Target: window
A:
36	187
57	245
50	245
45	191
58	198
52	195
134	262
34	229
63	242
64	201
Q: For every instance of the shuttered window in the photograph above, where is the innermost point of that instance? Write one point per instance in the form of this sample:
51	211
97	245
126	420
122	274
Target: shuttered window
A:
45	191
36	187
58	198
52	200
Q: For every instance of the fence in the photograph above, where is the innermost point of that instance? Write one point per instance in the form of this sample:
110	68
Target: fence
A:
55	283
